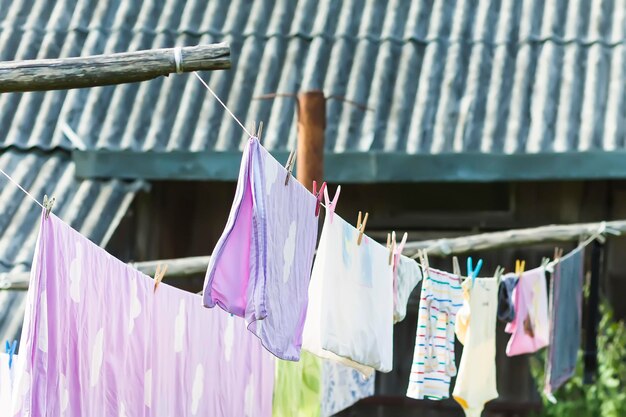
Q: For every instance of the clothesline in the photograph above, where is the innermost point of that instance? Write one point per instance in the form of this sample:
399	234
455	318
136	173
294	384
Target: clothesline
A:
436	247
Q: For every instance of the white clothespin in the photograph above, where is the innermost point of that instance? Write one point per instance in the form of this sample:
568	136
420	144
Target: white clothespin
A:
47	204
289	165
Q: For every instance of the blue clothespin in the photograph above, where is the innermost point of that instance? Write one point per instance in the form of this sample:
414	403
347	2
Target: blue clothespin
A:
471	272
10	349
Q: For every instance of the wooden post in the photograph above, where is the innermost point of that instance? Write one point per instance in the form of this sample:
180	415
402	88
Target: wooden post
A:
311	127
98	70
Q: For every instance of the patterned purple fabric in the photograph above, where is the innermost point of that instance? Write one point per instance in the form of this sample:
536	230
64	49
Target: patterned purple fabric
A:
261	266
98	341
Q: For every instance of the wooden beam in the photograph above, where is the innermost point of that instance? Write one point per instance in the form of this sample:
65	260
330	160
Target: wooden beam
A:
438	247
98	70
175	268
372	167
512	238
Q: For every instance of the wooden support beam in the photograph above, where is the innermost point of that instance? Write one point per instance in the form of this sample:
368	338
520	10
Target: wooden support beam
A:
437	247
98	70
511	238
175	268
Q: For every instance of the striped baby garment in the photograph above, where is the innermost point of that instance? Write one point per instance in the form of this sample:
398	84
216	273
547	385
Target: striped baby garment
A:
433	358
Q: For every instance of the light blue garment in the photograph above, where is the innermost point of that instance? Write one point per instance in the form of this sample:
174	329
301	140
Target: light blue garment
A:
343	387
407	276
566	319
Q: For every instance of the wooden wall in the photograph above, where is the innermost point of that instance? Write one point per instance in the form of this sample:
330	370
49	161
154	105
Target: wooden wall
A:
180	219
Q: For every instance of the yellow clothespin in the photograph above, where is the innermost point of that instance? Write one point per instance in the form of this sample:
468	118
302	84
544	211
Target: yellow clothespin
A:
519	267
47	205
361	227
158	275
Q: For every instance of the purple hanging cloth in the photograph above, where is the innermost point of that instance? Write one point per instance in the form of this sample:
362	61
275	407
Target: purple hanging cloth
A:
261	266
99	341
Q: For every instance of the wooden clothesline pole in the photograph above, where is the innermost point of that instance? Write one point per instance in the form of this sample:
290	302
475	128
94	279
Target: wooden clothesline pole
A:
99	70
437	247
513	238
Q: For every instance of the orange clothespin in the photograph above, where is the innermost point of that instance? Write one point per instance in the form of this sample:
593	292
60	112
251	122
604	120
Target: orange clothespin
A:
361	227
158	275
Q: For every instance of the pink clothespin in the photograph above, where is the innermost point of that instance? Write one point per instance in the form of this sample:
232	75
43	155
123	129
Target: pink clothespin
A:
319	195
330	205
399	247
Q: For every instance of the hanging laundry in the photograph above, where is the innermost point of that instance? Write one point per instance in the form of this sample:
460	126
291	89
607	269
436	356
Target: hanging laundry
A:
476	329
343	387
298	387
506	305
261	266
98	340
530	330
7	383
433	359
350	313
565	318
407	274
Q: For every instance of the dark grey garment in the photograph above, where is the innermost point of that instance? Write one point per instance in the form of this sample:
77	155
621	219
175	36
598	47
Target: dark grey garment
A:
566	293
506	305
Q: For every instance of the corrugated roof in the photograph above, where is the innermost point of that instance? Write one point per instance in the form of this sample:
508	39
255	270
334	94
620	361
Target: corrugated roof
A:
92	207
440	76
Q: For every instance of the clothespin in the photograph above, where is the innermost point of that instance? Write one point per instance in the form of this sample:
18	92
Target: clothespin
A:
318	195
472	273
158	275
456	268
520	266
258	133
498	274
330	205
423	255
390	244
361	227
254	132
400	247
10	350
558	252
289	165
545	261
47	205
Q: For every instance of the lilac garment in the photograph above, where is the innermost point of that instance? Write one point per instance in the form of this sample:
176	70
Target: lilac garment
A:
261	266
97	341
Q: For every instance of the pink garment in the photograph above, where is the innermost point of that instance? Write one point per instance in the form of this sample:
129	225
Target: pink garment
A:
530	330
97	341
261	267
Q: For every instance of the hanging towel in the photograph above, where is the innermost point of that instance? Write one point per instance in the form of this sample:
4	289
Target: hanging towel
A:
476	328
565	318
99	341
298	387
261	266
530	330
7	379
407	274
350	315
506	304
433	358
343	387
